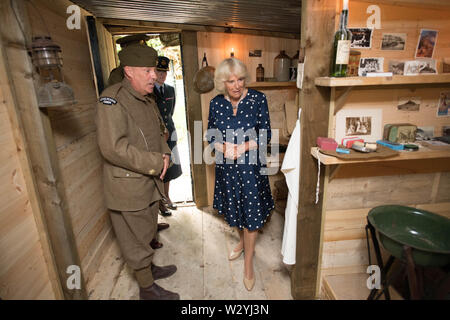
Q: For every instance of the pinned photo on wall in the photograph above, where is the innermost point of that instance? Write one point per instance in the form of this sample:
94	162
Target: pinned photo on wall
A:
393	41
362	123
361	38
396	67
255	53
424	66
446	131
409	104
444	104
424	133
426	43
370	65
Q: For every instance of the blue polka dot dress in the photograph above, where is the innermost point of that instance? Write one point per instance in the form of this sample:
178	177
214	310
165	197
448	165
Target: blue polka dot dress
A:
242	190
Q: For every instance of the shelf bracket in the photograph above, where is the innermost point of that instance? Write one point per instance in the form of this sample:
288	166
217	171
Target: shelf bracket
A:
341	99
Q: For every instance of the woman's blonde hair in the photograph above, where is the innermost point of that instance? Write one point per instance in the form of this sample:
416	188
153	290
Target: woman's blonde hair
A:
227	68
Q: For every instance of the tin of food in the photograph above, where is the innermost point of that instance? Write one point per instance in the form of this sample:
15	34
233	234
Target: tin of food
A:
410	147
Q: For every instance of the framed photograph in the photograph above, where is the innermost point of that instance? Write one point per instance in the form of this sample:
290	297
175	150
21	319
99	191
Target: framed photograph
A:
362	123
393	41
369	65
426	43
415	67
444	104
361	38
255	53
409	104
396	67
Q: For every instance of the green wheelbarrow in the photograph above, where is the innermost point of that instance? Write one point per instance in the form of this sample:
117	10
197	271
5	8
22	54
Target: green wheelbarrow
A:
417	237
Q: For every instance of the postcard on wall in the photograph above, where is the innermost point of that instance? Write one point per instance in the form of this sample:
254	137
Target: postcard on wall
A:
370	65
361	38
424	66
426	43
444	104
446	131
409	104
424	133
396	67
255	53
393	41
361	123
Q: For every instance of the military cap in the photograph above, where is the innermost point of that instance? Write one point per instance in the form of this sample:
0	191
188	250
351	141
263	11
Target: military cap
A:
138	56
136	39
163	64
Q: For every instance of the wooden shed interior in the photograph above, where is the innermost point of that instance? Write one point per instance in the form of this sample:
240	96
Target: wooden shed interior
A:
52	211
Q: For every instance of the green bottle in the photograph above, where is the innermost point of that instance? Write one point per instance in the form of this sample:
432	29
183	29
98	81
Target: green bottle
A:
341	48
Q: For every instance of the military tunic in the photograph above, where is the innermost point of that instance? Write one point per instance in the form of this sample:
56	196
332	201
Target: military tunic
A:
131	139
166	106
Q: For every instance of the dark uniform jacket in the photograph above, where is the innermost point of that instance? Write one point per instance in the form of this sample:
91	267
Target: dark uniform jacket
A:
131	140
166	105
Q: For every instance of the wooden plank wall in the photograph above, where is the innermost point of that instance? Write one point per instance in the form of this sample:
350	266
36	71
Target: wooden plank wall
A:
24	266
74	133
349	199
217	47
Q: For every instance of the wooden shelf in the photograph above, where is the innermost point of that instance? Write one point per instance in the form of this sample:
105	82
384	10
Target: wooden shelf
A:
274	84
422	153
382	81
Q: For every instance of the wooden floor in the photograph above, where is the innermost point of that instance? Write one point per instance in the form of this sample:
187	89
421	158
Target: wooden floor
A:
198	243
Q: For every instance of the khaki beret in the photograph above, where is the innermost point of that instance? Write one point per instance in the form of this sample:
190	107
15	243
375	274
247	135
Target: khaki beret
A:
136	39
138	56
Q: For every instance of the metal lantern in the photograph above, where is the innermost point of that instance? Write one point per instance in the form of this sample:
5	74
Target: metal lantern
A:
46	56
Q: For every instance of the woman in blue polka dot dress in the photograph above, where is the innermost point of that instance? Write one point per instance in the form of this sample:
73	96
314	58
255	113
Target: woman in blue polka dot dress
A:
239	131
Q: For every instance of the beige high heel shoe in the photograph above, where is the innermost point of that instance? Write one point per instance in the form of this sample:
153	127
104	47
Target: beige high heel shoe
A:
249	283
235	254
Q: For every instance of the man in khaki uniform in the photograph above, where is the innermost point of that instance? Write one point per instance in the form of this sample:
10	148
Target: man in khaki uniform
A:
131	140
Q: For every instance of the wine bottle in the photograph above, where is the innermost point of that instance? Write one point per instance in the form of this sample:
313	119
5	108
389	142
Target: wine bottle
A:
204	61
341	48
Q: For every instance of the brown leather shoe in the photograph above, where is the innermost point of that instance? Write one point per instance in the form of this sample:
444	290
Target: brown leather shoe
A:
155	292
155	244
162	226
163	272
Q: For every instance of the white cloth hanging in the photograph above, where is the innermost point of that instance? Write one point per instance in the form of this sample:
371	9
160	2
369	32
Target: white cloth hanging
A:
291	170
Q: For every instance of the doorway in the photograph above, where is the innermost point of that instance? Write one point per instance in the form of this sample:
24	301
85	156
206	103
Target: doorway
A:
168	45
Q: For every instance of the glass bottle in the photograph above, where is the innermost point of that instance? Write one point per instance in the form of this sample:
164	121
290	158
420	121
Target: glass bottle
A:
281	66
260	73
341	47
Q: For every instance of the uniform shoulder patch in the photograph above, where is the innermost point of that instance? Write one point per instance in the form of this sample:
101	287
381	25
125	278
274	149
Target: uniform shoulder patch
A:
108	100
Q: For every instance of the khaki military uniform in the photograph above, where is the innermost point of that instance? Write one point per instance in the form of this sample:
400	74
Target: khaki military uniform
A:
131	140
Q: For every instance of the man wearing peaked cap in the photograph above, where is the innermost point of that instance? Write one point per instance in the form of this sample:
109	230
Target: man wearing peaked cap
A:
132	143
116	74
165	99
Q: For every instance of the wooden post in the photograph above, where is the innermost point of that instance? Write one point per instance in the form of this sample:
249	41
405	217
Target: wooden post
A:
39	139
318	26
194	113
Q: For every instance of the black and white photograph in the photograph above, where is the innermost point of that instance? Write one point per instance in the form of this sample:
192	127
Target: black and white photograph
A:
424	133
409	104
361	38
446	131
393	41
370	65
358	126
255	53
363	123
415	67
396	67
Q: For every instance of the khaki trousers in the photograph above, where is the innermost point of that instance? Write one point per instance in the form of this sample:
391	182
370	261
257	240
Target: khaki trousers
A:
134	231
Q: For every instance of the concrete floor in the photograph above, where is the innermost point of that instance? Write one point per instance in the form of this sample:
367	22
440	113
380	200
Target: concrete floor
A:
198	243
